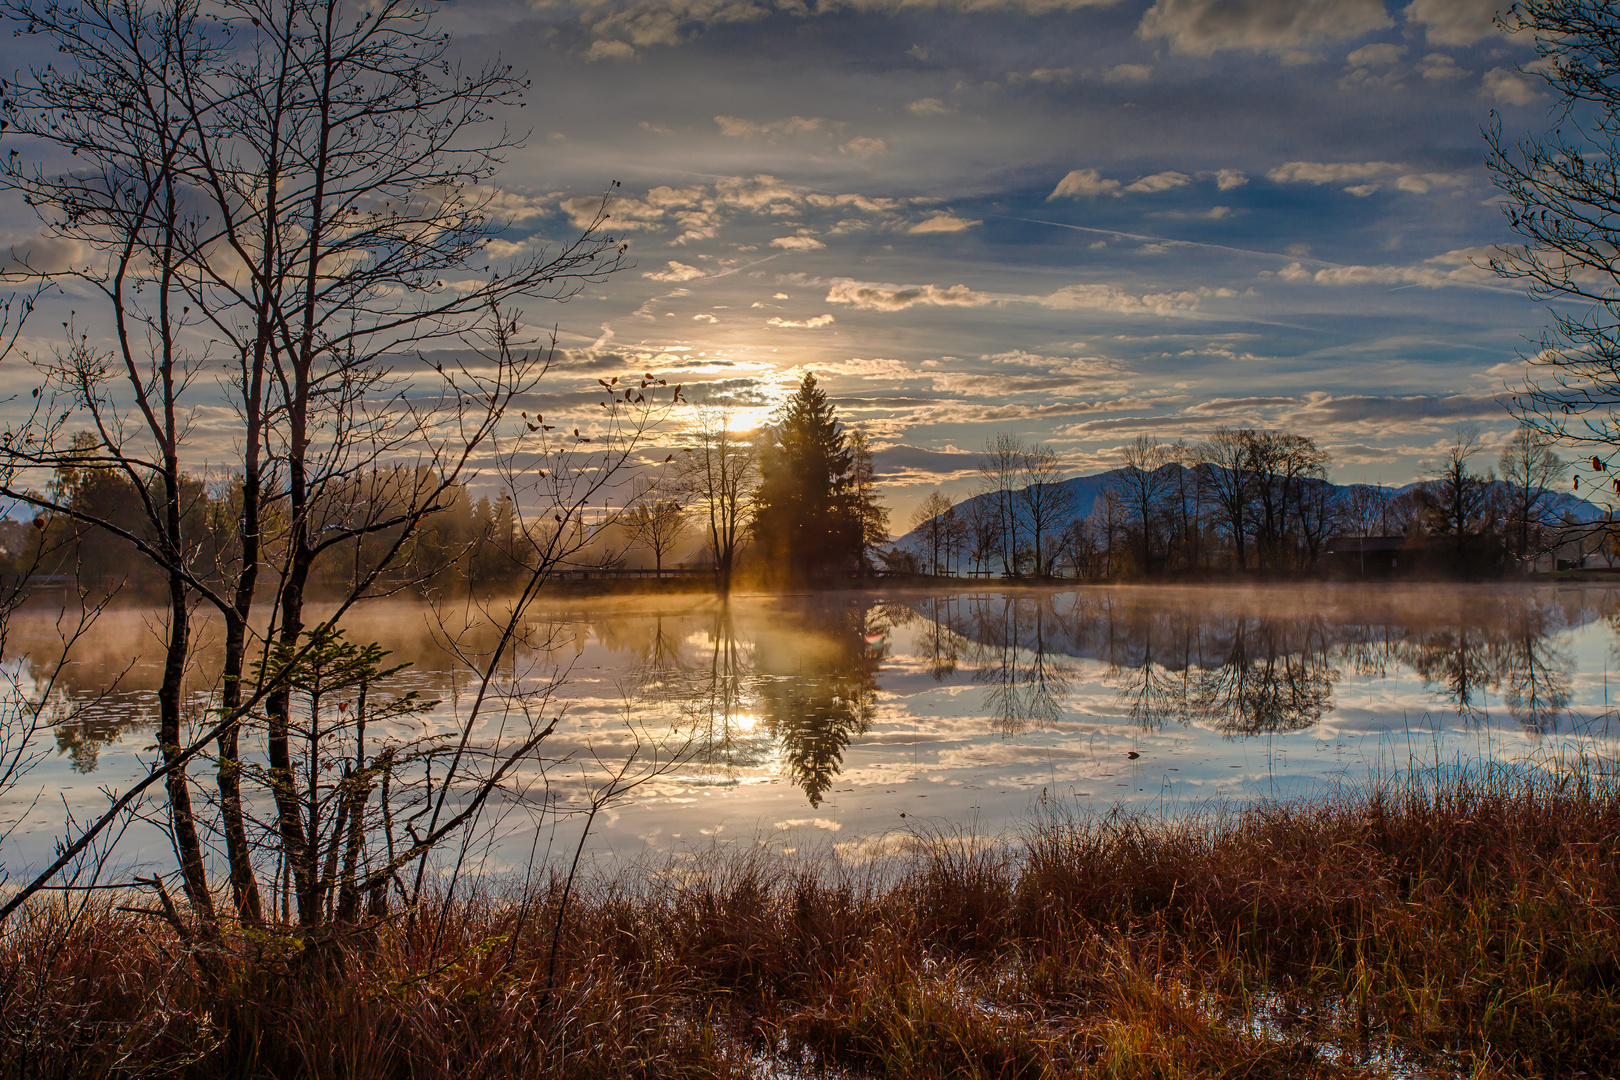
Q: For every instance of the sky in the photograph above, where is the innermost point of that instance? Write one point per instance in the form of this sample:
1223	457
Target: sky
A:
1075	221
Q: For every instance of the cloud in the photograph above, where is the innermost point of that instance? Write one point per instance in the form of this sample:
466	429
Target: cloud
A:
1099	297
1459	267
1201	27
868	296
704	317
1323	172
1420	183
1084	183
943	223
1507	87
610	50
1163	181
1440	67
1227	179
1128	73
734	127
623	214
863	147
813	323
797	243
1357	408
1379	55
677	272
43	255
929	106
1455	22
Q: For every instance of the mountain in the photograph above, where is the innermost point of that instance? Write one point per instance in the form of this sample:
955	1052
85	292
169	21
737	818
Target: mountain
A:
1083	490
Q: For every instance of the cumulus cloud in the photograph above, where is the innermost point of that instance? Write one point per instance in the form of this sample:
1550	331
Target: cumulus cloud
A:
608	49
1128	73
43	255
735	127
813	323
677	271
704	317
943	223
1455	22
869	296
797	243
1324	172
1084	183
1507	87
1379	55
1227	179
1163	181
863	146
1420	183
1440	67
1460	267
1099	297
929	106
623	214
1201	27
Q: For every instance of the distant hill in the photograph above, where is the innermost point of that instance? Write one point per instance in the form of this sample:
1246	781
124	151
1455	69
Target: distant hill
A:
1085	490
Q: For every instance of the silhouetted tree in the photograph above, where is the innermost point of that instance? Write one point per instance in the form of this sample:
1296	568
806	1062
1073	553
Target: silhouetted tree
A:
805	514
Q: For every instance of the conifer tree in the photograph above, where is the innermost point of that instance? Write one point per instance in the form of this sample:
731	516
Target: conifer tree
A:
806	519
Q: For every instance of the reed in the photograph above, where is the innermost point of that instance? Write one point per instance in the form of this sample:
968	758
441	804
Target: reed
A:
1453	924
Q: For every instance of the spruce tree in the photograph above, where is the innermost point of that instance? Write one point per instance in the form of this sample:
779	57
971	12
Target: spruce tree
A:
805	518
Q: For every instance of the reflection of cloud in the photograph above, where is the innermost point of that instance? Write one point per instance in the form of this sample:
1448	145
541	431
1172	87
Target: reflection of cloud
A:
1201	27
809	823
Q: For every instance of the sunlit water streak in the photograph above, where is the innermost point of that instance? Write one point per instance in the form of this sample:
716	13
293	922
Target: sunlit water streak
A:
843	721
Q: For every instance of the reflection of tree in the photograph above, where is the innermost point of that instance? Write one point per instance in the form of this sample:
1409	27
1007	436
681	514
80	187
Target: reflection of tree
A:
1024	675
817	686
1275	678
714	700
1463	662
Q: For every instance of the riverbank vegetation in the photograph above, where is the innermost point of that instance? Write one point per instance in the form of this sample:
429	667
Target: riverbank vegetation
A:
1250	502
1453	926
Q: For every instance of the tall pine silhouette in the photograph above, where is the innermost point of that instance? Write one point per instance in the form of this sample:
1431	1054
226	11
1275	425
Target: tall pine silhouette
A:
806	520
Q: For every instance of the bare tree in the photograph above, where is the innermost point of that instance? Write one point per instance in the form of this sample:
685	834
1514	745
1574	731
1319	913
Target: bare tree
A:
1227	454
719	472
1141	486
1047	503
933	521
1531	470
1561	195
291	194
658	525
1460	497
1000	469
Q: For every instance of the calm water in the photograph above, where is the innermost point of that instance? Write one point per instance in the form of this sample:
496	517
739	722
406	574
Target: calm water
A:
843	720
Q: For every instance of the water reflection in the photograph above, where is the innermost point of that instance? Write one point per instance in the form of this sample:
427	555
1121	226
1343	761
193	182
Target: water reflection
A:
788	687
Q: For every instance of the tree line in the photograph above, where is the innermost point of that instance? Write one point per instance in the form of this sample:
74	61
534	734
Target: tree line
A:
1243	500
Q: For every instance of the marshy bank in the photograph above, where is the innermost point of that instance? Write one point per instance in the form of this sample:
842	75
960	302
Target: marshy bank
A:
1450	926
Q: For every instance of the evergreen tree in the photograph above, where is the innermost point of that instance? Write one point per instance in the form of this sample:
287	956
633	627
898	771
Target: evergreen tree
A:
806	518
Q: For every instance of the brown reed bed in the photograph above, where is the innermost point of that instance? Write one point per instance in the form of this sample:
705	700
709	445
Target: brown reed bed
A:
1449	927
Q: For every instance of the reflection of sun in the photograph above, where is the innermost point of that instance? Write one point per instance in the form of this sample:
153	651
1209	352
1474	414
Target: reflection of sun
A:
744	721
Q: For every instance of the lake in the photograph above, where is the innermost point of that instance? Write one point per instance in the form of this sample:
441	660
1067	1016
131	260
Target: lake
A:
840	721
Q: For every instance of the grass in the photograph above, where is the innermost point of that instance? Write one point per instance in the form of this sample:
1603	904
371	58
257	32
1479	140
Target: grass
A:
1445	928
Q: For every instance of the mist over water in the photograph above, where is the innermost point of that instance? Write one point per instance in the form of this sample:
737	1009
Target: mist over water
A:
845	719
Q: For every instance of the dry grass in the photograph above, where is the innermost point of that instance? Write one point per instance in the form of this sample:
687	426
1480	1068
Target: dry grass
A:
1465	928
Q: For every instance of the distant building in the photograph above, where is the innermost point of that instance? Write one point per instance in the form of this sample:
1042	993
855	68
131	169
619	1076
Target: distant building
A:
1364	556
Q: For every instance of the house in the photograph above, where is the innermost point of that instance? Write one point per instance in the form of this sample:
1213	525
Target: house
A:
1363	556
